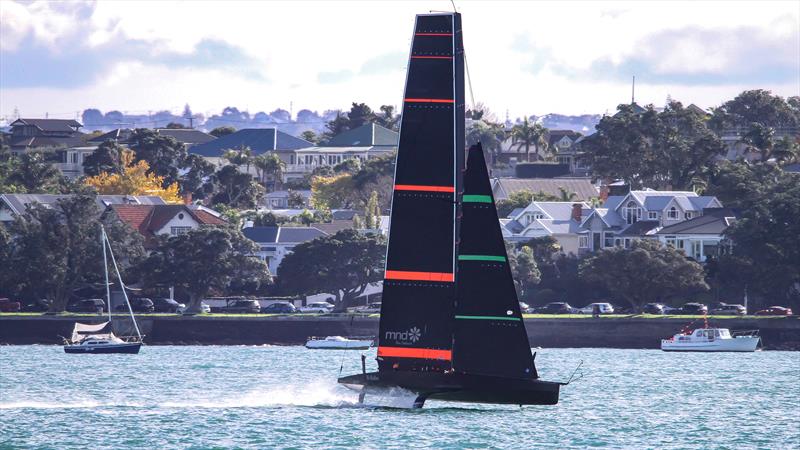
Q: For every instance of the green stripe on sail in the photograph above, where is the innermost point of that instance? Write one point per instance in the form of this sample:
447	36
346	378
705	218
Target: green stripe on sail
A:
488	318
481	258
477	199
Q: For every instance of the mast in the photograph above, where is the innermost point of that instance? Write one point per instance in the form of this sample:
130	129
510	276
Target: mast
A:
122	285
105	269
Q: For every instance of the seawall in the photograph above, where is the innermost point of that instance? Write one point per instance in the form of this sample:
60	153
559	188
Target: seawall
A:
609	332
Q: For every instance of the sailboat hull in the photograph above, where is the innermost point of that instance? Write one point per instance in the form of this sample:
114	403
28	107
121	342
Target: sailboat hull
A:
457	387
128	348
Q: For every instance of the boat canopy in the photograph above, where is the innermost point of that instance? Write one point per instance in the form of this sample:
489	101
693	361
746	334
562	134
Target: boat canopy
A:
102	330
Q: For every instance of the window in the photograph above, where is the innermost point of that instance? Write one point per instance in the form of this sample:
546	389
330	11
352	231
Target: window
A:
268	249
608	240
671	240
652	215
538	215
687	215
672	213
632	213
627	243
583	241
177	231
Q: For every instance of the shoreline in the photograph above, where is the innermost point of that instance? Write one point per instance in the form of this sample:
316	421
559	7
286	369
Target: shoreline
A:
621	332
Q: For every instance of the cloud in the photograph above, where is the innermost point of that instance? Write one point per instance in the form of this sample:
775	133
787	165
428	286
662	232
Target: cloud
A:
378	65
339	76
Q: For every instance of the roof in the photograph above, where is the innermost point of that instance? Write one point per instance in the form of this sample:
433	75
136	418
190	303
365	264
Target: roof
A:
556	135
639	228
52	125
582	187
334	226
75	140
306	193
147	219
260	140
366	135
713	221
282	235
187	136
659	200
345	150
18	202
343	214
118	134
261	234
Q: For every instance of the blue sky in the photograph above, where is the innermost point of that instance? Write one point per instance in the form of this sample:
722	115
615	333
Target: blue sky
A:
524	57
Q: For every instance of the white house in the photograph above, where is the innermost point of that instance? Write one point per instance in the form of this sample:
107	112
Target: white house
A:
171	220
701	237
276	242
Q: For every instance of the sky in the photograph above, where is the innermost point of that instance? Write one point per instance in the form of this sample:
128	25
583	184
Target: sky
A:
524	58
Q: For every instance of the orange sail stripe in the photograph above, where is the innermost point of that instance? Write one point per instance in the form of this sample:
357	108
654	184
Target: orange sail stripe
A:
429	100
416	187
422	353
419	276
433	34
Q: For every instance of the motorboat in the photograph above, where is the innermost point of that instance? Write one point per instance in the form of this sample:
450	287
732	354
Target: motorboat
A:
338	342
712	340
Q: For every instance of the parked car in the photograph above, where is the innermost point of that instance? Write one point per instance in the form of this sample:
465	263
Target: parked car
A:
556	308
40	305
279	308
317	307
694	309
372	308
725	308
654	308
775	311
168	305
671	310
605	308
239	306
138	304
6	305
525	308
91	305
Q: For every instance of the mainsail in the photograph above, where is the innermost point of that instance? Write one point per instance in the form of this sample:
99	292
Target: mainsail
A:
416	325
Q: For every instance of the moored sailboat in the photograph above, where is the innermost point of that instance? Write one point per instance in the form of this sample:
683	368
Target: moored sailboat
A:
451	326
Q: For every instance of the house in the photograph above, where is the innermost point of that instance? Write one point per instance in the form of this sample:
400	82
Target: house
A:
561	144
259	140
277	242
12	205
280	199
60	137
186	136
164	220
584	190
701	237
622	219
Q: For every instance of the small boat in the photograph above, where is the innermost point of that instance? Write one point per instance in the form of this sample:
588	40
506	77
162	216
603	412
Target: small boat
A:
712	340
100	338
338	342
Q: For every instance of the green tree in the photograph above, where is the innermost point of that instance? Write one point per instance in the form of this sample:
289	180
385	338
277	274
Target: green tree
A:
372	213
338	125
296	200
176	126
756	106
57	250
524	136
242	156
197	180
235	189
525	271
205	260
222	131
360	114
490	136
269	166
306	217
310	136
34	174
105	158
164	154
343	265
646	272
387	118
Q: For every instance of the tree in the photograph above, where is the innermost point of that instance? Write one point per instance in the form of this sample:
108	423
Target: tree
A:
164	155
565	195
525	136
296	200
343	264
306	217
235	189
387	118
269	166
105	158
338	125
176	125
310	136
521	199
332	192
490	136
524	269
646	272
218	132
756	106
761	140
242	156
57	250
34	174
372	214
197	180
135	179
360	114
204	260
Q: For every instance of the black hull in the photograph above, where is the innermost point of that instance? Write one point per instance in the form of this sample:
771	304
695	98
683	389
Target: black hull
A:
460	387
131	348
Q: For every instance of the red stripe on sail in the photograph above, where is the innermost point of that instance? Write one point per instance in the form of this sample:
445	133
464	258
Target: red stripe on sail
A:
417	187
429	100
433	34
419	276
421	353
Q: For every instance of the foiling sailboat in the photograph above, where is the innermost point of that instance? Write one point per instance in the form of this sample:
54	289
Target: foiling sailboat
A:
451	326
100	338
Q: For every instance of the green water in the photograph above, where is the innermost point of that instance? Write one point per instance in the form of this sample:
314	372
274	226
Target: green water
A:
287	397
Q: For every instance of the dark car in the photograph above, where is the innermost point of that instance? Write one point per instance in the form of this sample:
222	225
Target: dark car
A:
92	305
40	305
694	309
653	308
6	305
279	308
138	304
775	311
167	305
239	306
556	308
725	308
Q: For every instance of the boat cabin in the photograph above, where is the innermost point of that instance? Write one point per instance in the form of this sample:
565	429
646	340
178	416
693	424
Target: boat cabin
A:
705	334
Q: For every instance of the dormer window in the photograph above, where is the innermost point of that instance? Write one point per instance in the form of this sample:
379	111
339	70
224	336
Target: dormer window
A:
672	213
687	215
538	215
632	213
652	215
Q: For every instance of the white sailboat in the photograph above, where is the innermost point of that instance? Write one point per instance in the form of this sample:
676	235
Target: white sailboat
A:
100	338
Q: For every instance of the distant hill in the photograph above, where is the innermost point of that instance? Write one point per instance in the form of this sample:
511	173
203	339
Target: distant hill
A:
583	124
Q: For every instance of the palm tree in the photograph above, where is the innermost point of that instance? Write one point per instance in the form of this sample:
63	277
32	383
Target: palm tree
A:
525	135
269	164
241	156
489	135
565	195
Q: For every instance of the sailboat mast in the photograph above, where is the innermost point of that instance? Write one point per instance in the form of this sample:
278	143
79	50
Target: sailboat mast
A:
122	285
105	269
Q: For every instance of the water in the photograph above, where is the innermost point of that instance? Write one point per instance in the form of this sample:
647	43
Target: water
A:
286	397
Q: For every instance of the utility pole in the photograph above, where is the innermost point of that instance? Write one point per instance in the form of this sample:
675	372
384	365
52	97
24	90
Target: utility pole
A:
633	90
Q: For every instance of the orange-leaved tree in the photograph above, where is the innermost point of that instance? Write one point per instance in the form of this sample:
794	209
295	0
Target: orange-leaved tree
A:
134	180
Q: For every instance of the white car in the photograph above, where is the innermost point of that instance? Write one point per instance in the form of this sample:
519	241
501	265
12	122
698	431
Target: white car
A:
372	308
317	307
605	308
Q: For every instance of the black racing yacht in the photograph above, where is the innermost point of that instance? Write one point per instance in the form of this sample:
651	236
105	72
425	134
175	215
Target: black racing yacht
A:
451	326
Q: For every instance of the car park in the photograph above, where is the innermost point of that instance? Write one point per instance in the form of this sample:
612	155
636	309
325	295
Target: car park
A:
279	308
774	311
317	307
372	308
556	308
728	309
605	308
239	306
694	309
654	308
88	305
168	305
6	305
138	304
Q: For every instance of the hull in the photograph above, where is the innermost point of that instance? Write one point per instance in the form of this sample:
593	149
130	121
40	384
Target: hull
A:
740	344
321	344
127	348
460	387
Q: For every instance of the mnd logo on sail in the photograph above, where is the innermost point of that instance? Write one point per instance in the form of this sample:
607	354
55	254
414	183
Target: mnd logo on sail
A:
404	337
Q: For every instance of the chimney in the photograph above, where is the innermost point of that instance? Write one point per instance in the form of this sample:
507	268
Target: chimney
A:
577	210
604	192
187	198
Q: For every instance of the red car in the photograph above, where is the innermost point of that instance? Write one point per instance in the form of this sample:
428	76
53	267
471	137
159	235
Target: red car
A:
775	311
7	305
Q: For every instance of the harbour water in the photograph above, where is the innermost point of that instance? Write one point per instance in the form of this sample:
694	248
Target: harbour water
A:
287	397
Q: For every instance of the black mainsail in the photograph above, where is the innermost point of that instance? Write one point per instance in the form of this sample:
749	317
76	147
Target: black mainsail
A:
450	326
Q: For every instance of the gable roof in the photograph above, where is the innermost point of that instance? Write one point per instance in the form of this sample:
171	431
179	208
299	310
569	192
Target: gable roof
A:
366	135
118	134
639	228
554	136
53	125
713	221
282	235
17	203
147	219
74	140
187	136
334	226
582	187
260	140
